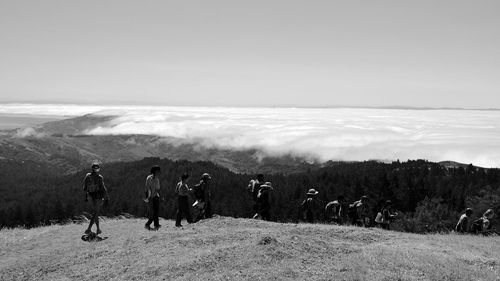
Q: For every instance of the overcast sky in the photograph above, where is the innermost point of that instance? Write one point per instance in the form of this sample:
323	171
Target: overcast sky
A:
251	53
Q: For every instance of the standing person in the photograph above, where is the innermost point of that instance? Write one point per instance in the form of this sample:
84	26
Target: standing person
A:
202	195
93	186
334	210
264	201
254	187
182	190
153	197
463	223
309	205
387	215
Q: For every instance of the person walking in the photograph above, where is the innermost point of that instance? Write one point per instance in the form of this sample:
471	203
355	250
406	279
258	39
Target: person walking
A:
309	205
387	215
264	201
463	223
182	190
93	186
152	192
254	187
202	195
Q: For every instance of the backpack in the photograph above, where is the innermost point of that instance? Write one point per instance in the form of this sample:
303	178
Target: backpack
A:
332	209
477	225
198	191
263	195
255	190
352	212
379	218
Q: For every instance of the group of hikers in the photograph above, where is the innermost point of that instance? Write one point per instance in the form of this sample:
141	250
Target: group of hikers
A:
481	225
338	211
200	192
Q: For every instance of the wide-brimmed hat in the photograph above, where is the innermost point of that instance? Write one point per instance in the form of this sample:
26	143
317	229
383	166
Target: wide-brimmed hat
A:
312	191
468	210
206	176
388	202
95	165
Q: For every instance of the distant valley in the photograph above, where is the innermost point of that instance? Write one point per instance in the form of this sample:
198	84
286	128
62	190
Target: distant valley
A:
64	145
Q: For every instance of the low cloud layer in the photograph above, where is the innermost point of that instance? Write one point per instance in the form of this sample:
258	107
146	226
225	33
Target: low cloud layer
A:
324	134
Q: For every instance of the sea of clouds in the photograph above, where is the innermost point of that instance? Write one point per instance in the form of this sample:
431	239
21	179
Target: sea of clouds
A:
350	134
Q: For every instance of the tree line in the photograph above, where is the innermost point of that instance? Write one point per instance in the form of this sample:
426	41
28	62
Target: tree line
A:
428	196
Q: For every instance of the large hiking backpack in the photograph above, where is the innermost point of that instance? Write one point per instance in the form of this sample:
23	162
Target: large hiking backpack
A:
198	191
477	225
352	212
263	195
256	190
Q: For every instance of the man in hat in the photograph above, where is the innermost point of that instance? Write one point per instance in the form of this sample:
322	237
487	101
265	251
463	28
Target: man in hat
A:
202	195
463	222
264	201
309	205
93	186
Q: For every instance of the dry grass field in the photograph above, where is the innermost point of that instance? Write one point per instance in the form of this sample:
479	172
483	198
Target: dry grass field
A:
241	249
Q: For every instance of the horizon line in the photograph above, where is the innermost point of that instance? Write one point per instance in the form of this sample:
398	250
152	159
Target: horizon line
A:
394	107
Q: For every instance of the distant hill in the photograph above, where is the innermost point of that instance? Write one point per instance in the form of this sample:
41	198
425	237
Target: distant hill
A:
64	144
242	249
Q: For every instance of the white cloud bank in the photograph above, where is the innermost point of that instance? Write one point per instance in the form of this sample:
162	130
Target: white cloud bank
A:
326	134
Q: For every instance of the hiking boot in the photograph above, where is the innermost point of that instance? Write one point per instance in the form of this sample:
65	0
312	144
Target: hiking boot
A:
178	225
88	231
98	232
147	227
157	227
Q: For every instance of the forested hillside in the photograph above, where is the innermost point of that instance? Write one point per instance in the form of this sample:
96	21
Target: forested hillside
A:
428	196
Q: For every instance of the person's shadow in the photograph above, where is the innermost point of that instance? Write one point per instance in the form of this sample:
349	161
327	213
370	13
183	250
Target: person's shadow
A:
93	237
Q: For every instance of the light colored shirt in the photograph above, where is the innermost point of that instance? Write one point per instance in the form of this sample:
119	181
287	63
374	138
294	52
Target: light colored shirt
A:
153	186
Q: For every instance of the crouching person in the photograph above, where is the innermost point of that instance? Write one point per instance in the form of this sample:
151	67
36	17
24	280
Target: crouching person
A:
483	225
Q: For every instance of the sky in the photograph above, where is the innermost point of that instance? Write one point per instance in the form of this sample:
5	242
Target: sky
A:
251	53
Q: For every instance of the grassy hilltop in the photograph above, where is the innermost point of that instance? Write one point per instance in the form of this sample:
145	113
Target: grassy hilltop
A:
241	249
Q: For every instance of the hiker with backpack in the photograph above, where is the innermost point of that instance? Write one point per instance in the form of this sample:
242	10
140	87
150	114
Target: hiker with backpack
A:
359	212
309	206
334	211
254	187
463	223
483	225
385	217
93	186
152	192
264	201
202	195
182	190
